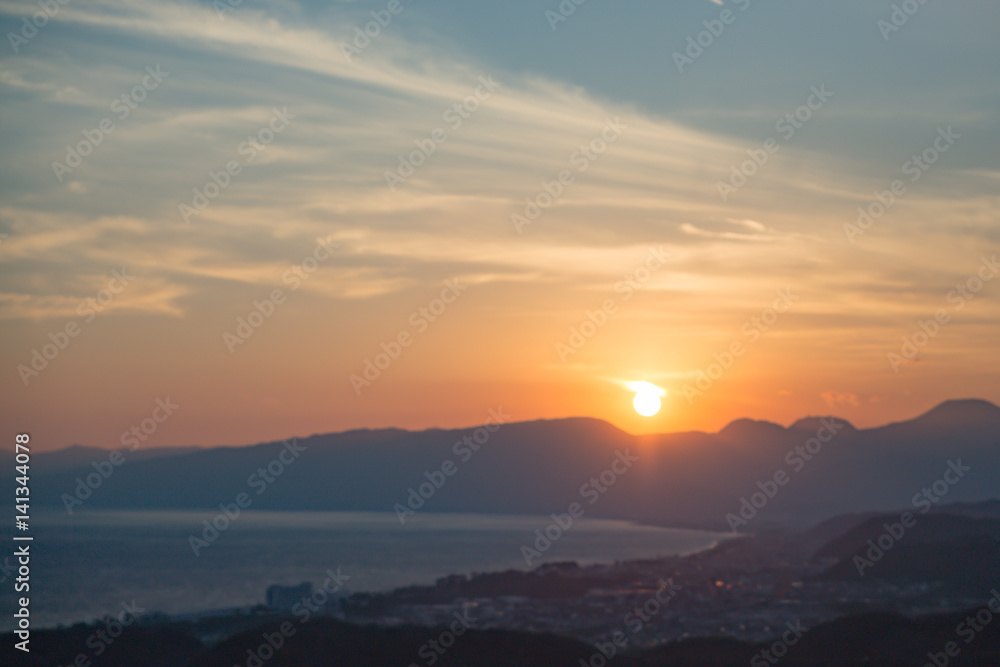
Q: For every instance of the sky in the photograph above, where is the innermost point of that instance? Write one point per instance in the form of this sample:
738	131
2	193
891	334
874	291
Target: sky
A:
257	215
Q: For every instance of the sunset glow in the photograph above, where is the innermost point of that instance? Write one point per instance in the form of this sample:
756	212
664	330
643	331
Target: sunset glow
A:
346	275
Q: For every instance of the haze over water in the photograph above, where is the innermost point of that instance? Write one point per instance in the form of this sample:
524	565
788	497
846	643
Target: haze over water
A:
95	560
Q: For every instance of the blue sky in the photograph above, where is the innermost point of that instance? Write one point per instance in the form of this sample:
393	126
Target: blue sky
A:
323	175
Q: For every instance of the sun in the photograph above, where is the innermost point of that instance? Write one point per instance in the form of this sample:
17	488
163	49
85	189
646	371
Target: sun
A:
647	397
646	403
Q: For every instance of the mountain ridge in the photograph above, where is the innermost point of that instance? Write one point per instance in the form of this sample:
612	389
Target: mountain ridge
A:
691	479
949	408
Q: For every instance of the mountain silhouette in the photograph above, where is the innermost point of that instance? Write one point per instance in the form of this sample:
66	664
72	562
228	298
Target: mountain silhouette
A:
689	479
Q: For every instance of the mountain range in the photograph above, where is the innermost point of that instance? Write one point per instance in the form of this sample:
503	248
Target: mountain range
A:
749	475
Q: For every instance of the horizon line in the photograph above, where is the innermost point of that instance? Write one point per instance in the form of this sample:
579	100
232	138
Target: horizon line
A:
535	421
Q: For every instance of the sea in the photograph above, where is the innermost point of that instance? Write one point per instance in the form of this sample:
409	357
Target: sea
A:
87	565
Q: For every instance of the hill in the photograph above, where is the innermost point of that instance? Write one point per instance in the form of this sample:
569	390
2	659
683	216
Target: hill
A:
686	479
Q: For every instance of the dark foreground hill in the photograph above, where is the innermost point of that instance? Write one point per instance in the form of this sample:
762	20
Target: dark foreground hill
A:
823	467
957	554
871	639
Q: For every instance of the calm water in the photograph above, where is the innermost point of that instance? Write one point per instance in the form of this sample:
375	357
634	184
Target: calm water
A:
84	566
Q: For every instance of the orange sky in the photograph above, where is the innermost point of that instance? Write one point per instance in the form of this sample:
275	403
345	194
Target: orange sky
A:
631	234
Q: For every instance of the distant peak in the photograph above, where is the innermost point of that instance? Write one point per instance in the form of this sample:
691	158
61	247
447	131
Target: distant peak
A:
962	410
815	423
741	428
